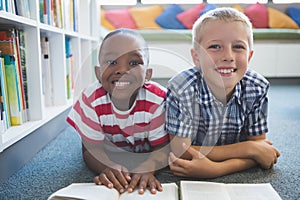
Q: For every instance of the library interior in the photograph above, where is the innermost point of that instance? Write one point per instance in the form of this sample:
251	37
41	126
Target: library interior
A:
48	51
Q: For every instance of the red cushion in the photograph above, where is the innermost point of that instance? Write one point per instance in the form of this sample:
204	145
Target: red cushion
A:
120	18
188	17
258	15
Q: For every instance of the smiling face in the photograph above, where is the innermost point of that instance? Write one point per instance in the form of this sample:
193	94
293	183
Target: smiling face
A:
223	54
122	69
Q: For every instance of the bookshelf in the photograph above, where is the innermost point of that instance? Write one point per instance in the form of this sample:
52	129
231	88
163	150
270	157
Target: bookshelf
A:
83	41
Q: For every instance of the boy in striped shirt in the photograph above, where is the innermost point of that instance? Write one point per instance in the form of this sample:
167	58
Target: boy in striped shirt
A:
120	118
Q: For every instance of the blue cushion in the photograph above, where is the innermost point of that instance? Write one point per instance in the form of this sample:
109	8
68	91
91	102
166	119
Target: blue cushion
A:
167	19
294	13
207	8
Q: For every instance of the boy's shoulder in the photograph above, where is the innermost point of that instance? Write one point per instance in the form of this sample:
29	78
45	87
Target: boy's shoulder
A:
253	78
185	79
155	88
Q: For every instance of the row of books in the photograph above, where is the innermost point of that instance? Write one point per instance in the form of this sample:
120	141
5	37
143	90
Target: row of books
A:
13	78
18	7
47	70
60	13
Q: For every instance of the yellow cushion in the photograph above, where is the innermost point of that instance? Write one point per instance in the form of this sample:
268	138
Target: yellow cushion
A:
238	7
144	16
104	22
278	19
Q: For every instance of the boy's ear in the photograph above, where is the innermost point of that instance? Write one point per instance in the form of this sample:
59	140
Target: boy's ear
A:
195	57
97	72
250	55
148	74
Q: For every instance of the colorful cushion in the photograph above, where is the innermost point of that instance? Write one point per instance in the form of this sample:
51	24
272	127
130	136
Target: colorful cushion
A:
207	8
278	19
238	7
294	13
144	16
258	15
120	18
188	17
104	22
167	19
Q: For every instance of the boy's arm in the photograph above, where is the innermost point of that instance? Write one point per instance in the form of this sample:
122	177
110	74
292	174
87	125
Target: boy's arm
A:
256	148
110	173
201	167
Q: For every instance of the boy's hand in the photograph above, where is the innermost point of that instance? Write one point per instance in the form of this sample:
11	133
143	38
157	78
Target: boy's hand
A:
199	166
116	177
265	154
142	181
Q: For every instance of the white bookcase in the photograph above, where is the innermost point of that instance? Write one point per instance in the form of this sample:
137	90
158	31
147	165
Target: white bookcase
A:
83	43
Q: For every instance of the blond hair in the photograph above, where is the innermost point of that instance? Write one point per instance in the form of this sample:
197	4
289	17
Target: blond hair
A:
225	14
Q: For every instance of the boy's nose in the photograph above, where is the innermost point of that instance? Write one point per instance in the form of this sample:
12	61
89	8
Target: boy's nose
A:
228	55
122	69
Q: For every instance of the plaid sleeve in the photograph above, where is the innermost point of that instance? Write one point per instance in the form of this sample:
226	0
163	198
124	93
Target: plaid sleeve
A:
178	117
257	119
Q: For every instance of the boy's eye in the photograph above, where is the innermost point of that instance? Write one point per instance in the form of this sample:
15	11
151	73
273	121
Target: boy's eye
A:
111	62
134	63
238	46
214	46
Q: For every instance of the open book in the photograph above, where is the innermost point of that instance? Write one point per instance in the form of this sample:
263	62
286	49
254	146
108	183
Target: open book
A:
190	190
90	191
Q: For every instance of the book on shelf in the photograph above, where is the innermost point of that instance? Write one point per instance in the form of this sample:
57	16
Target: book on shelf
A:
22	8
69	68
5	121
2	5
10	6
9	46
13	93
23	69
189	190
71	15
46	71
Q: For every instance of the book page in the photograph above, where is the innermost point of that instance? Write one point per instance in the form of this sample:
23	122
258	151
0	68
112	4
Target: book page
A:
88	191
170	192
200	190
261	191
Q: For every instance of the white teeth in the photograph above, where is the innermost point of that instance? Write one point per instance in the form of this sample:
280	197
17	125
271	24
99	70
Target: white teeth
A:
121	84
225	71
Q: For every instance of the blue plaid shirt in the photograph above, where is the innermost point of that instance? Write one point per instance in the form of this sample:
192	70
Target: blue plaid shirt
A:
192	110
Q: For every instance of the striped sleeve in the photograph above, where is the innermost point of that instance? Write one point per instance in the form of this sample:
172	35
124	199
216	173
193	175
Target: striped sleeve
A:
85	120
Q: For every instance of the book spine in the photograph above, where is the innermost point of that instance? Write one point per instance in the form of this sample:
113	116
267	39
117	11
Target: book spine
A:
46	71
23	71
5	121
12	89
2	5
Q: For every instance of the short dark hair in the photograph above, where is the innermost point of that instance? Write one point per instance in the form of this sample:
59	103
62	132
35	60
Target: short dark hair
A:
130	32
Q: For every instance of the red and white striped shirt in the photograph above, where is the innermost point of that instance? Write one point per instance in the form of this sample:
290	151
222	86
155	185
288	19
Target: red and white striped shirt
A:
96	119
